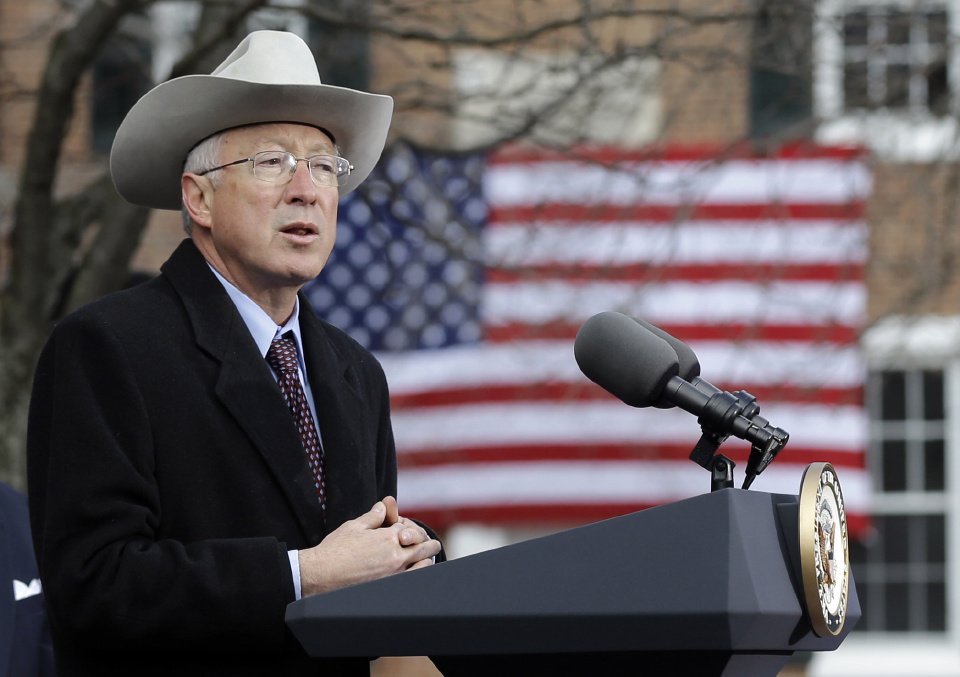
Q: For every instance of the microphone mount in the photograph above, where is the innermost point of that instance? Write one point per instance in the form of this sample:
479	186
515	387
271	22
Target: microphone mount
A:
738	413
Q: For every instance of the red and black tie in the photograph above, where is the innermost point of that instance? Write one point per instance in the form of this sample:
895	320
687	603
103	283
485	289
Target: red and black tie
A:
282	357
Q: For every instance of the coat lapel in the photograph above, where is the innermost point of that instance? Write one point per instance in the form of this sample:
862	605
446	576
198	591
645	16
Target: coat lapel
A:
245	385
339	408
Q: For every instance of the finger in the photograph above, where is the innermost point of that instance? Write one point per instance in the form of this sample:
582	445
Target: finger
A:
413	536
393	513
425	550
407	522
421	564
374	517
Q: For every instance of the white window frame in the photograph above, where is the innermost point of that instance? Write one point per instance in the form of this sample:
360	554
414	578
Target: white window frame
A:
905	136
914	343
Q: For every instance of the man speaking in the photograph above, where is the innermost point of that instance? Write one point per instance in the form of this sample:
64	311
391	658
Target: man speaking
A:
202	449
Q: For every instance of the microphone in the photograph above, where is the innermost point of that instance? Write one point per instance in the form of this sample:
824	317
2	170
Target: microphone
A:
688	366
689	370
641	367
617	353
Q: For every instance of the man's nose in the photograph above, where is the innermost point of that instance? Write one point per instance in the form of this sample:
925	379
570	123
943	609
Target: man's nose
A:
301	187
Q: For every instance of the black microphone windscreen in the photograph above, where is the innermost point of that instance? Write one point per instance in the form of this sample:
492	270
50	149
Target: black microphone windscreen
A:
689	364
625	359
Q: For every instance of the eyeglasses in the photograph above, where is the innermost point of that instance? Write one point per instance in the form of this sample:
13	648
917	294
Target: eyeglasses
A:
278	166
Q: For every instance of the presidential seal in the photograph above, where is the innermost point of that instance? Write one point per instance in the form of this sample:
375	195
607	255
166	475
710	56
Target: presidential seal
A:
824	555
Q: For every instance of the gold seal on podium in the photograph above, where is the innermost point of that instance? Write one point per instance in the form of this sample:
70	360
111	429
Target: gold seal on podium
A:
824	553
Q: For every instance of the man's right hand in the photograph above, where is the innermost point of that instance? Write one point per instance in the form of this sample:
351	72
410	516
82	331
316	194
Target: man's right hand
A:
376	544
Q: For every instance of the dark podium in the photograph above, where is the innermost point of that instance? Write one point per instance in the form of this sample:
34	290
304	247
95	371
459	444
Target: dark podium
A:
706	586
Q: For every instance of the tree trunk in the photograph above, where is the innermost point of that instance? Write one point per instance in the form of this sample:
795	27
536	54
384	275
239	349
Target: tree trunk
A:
40	252
54	265
19	352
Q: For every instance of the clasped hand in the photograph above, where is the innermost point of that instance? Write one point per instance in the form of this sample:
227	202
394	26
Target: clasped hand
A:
376	544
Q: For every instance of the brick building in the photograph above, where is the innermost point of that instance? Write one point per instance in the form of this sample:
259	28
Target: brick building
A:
884	75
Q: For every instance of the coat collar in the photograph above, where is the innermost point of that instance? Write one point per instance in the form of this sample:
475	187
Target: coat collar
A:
248	390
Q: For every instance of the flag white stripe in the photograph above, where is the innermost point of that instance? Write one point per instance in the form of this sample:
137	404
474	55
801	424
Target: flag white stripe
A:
802	303
823	181
587	482
528	362
811	426
675	244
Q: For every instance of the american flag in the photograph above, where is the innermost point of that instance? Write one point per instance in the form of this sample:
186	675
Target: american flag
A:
469	276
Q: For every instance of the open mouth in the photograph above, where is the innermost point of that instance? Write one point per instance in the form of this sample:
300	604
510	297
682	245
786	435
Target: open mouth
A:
300	229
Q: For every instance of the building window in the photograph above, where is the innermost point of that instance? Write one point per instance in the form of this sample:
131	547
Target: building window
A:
901	567
342	53
554	98
896	58
885	76
121	75
781	99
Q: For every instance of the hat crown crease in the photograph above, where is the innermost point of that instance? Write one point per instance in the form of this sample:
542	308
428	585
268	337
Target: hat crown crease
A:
267	58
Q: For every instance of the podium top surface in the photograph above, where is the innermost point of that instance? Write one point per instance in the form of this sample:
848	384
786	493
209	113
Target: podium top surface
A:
715	572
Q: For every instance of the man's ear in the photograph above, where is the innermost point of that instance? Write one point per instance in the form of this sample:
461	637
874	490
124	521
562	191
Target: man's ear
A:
197	195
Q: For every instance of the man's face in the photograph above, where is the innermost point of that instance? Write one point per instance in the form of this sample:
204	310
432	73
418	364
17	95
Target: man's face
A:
265	237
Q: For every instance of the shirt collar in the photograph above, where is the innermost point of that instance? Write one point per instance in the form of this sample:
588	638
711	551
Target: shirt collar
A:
261	326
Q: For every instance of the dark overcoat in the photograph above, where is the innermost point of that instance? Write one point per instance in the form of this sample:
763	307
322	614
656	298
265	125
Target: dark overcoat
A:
167	481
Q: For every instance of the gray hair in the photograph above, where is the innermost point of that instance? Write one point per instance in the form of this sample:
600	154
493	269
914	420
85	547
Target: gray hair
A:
204	155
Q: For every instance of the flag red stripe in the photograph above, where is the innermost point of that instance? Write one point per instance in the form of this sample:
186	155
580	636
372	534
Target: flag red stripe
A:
599	452
585	392
578	214
612	155
760	273
833	333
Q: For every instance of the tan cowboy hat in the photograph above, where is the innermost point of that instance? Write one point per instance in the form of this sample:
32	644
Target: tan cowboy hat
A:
270	77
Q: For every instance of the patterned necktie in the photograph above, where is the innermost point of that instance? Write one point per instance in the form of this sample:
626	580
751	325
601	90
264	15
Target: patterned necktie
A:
282	356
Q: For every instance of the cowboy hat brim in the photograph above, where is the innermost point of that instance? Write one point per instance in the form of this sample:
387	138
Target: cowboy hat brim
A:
153	141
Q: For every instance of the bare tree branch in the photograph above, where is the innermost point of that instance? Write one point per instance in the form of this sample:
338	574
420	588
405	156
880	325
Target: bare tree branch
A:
71	53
